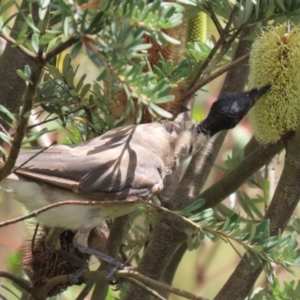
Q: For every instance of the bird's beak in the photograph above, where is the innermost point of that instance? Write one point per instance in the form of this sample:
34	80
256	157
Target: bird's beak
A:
260	91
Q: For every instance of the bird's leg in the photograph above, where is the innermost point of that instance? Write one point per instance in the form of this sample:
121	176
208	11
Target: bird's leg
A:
80	242
53	245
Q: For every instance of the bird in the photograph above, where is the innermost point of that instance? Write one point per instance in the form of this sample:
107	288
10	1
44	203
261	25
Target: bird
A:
132	162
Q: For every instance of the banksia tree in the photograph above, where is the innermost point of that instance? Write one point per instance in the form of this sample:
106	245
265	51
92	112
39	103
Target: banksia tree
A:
275	60
90	66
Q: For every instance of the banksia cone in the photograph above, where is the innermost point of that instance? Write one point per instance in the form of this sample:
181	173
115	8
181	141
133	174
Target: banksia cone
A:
197	28
275	60
41	265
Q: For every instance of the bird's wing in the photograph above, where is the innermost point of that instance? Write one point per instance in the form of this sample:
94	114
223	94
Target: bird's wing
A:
117	161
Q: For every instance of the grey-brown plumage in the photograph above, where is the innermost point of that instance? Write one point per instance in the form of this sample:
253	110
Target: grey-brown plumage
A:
126	163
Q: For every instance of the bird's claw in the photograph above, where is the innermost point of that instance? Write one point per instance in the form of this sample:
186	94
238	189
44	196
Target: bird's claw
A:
75	278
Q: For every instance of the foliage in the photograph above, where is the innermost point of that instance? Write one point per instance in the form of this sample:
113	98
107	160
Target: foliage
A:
117	37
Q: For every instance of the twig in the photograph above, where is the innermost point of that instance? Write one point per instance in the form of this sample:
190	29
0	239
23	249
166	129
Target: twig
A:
218	73
225	47
22	283
235	178
205	64
44	26
33	156
214	19
156	284
63	46
118	232
146	288
19	47
85	203
213	51
56	118
137	250
21	128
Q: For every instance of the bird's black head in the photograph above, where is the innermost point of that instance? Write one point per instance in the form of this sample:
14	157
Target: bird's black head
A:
228	110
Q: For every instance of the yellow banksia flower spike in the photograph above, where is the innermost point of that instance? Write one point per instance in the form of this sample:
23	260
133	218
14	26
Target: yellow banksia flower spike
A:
275	60
197	28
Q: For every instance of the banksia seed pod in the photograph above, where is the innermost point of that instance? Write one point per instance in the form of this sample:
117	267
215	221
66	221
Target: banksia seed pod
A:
41	265
275	60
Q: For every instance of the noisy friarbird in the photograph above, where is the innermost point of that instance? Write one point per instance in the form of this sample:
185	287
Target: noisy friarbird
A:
126	163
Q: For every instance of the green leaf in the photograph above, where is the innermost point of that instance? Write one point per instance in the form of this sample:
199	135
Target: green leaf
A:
70	77
195	206
43	8
54	71
3	151
66	64
35	42
5	138
46	38
24	76
9	114
76	49
22	36
160	111
84	90
4	7
73	93
102	73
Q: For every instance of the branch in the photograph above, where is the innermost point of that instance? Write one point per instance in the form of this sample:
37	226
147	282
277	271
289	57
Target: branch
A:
118	233
167	236
214	50
285	200
147	289
225	47
128	274
156	284
231	181
20	282
21	128
12	87
200	166
23	49
60	48
216	74
214	18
